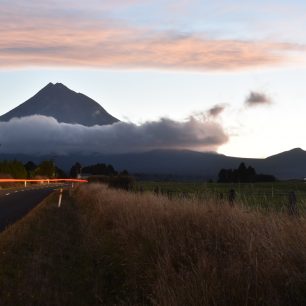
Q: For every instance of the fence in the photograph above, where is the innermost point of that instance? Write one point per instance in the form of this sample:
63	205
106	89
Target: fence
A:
291	201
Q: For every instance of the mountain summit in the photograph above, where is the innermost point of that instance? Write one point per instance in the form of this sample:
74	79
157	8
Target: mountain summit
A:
65	105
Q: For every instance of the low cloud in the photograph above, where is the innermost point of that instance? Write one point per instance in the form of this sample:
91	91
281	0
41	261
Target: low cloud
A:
216	110
44	135
257	98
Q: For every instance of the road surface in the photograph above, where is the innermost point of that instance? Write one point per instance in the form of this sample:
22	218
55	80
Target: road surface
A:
16	203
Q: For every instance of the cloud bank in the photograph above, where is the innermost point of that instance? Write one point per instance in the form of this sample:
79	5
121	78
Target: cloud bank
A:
257	98
44	135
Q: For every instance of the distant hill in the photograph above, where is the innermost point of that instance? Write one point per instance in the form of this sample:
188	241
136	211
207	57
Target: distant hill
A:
288	164
65	105
187	165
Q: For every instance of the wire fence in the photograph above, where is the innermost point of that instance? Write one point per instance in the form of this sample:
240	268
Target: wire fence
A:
287	201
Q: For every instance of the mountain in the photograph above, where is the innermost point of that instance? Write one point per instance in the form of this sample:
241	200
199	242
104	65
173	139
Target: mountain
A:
288	164
188	165
65	105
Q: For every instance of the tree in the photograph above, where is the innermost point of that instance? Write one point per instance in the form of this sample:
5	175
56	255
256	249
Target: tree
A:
30	168
225	176
243	174
60	173
251	174
75	170
124	173
13	168
100	169
242	168
46	168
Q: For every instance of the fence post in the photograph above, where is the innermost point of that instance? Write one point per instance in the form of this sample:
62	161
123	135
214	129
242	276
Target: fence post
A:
292	205
157	190
231	197
25	184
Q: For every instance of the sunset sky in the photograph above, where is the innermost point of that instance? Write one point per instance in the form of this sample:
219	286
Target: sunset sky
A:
240	64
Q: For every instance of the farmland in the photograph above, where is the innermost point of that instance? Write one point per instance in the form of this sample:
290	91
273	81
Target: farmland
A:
265	196
112	247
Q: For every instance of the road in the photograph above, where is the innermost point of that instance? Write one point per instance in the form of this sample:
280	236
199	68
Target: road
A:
16	203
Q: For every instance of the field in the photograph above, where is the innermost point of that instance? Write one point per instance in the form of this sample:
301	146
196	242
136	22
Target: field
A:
112	247
265	196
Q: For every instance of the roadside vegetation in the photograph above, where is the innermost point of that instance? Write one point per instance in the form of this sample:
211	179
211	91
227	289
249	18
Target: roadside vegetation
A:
113	247
13	168
17	170
41	259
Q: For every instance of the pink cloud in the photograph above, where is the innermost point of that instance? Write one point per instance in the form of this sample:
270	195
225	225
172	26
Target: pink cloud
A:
84	42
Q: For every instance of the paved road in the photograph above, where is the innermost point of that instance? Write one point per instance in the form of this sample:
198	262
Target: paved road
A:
15	203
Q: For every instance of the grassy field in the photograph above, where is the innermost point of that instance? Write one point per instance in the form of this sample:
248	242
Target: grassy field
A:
265	196
110	247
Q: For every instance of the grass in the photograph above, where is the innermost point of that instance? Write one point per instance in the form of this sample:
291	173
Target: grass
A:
266	196
7	186
152	250
41	259
110	247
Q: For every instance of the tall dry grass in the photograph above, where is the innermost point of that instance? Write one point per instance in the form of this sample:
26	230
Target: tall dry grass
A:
149	250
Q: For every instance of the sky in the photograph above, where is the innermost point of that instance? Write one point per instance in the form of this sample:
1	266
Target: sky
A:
240	67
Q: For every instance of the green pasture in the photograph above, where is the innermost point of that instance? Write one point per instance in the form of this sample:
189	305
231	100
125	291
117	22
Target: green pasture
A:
259	195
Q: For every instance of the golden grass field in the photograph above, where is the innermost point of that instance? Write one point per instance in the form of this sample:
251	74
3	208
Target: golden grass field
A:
111	247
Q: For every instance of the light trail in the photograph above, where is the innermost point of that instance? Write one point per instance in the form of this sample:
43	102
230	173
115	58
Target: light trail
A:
42	181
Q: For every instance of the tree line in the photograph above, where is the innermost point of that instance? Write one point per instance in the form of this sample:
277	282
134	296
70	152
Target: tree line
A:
103	173
243	174
17	170
97	169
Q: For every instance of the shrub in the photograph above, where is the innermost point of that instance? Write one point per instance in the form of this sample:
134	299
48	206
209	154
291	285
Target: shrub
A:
121	182
118	182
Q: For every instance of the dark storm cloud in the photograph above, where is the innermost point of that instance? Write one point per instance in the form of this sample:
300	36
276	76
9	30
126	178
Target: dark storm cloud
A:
41	135
257	98
216	110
